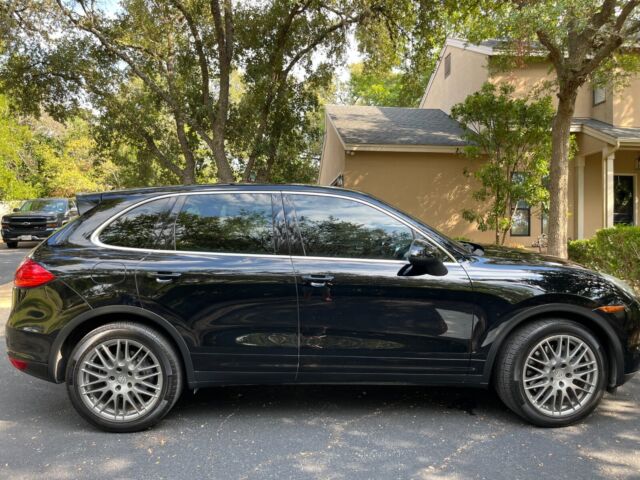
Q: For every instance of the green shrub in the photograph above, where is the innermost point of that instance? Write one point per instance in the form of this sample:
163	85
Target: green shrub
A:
615	251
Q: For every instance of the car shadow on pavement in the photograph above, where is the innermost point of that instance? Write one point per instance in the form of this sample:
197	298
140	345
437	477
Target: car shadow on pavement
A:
316	432
348	399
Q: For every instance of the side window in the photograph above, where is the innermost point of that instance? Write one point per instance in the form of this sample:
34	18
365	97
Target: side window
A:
140	227
447	65
226	223
339	227
599	95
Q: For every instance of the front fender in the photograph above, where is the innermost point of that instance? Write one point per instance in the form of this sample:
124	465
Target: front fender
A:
590	319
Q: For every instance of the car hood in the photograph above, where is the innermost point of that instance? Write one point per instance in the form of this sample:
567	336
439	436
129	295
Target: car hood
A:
32	214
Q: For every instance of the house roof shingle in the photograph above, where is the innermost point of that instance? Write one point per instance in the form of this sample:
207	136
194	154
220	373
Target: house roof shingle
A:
364	125
619	133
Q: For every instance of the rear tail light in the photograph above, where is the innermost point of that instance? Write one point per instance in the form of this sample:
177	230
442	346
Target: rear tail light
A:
32	274
19	364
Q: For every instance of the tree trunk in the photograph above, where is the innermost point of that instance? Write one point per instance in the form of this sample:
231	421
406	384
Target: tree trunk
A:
225	42
559	174
189	172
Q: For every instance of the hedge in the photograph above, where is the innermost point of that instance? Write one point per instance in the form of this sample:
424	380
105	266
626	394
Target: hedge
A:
615	251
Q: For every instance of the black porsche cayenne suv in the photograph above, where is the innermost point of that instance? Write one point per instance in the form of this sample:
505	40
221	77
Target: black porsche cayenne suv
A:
152	291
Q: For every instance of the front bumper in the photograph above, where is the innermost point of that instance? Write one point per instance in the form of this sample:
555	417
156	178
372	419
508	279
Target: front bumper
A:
13	235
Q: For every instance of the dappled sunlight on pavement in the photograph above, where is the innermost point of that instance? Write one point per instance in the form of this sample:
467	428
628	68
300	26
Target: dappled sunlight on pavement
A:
316	432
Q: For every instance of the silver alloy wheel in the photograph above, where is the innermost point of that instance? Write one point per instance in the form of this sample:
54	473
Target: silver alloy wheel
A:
120	380
560	375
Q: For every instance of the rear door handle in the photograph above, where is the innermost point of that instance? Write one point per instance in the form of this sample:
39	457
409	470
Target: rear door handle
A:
164	277
317	280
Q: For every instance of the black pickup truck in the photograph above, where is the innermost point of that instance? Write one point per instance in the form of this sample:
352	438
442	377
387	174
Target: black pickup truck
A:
36	219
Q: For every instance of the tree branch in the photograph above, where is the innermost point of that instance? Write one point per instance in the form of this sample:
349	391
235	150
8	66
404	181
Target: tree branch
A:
162	158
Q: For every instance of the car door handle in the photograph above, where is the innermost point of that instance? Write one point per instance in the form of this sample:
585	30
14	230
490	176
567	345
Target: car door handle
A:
164	277
317	280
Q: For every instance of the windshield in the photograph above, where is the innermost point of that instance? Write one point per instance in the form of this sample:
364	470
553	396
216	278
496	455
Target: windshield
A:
42	205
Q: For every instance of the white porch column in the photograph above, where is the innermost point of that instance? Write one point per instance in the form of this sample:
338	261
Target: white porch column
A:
580	200
607	187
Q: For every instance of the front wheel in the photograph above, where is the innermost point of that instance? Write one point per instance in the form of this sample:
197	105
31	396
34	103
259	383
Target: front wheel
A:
552	372
12	244
123	377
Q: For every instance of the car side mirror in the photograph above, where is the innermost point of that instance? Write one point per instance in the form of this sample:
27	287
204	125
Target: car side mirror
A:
424	259
16	210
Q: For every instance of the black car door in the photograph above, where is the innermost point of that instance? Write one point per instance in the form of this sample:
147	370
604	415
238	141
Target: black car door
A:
358	315
226	281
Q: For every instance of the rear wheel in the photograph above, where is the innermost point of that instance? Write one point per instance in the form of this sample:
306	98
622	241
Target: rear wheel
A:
552	372
124	377
12	244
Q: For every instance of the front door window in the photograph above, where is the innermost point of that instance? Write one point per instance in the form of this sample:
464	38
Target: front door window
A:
624	195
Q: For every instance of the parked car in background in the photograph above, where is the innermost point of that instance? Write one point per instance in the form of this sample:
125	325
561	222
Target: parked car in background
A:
36	219
154	290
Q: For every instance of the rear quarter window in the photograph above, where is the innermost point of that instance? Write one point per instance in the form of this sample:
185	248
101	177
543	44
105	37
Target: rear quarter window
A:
140	227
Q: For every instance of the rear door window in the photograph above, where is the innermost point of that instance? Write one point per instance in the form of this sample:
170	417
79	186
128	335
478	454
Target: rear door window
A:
226	223
140	227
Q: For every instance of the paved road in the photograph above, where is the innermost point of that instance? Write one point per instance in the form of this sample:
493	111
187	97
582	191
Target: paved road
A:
9	259
313	433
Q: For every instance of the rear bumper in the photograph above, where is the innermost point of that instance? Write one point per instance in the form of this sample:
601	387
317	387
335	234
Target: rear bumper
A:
33	349
35	323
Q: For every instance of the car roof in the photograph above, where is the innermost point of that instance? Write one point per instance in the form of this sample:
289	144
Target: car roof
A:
45	198
215	186
86	201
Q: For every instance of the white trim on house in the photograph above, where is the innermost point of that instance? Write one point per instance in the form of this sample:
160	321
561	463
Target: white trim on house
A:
335	130
592	132
617	143
433	75
328	123
608	161
580	163
465	45
368	147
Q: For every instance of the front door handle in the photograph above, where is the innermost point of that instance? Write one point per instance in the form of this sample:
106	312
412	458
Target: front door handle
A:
317	280
164	277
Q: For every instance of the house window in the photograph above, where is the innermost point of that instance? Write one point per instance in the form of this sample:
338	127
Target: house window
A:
521	222
447	65
599	95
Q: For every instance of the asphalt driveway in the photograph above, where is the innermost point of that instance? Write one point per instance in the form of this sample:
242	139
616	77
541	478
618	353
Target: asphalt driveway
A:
309	432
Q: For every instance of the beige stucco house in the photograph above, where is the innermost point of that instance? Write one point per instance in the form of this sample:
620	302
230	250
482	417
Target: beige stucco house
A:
412	157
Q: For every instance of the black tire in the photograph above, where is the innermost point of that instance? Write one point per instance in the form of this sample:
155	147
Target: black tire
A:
509	372
169	365
12	244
